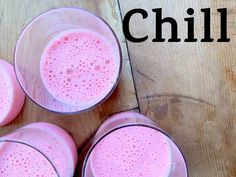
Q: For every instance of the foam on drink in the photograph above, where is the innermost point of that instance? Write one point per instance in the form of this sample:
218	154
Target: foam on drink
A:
132	151
5	95
22	161
11	95
79	67
38	150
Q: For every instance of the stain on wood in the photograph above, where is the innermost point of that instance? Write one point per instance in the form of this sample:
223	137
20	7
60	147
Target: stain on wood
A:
230	76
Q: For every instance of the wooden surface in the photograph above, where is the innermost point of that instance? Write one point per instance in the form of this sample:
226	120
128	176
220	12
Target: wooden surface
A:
189	89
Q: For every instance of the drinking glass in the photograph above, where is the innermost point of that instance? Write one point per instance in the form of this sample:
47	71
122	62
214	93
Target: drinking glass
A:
34	39
131	119
47	145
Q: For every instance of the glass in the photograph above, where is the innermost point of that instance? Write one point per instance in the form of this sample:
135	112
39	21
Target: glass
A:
34	39
178	167
39	145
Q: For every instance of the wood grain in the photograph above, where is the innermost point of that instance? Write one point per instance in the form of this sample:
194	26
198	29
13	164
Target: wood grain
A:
15	15
189	89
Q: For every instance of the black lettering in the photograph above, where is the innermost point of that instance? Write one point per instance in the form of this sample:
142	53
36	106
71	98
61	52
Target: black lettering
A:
190	22
207	25
160	22
224	37
126	22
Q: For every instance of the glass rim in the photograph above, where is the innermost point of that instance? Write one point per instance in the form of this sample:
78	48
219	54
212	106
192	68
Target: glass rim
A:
130	125
32	147
98	18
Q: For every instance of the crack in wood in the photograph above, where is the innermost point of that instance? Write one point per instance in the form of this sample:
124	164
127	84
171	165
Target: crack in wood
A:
144	75
176	97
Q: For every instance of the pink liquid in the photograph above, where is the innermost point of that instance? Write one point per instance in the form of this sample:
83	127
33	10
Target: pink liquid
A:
11	95
79	68
132	151
24	161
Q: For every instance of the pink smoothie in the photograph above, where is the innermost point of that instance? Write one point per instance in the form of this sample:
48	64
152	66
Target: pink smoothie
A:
11	95
134	151
20	160
79	68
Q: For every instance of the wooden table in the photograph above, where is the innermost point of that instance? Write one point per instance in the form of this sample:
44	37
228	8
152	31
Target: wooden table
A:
189	89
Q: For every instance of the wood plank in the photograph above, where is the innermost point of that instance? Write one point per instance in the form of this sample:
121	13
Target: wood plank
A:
189	89
15	15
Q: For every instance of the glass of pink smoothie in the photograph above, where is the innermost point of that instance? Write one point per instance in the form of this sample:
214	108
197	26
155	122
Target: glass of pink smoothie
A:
69	59
37	150
129	144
